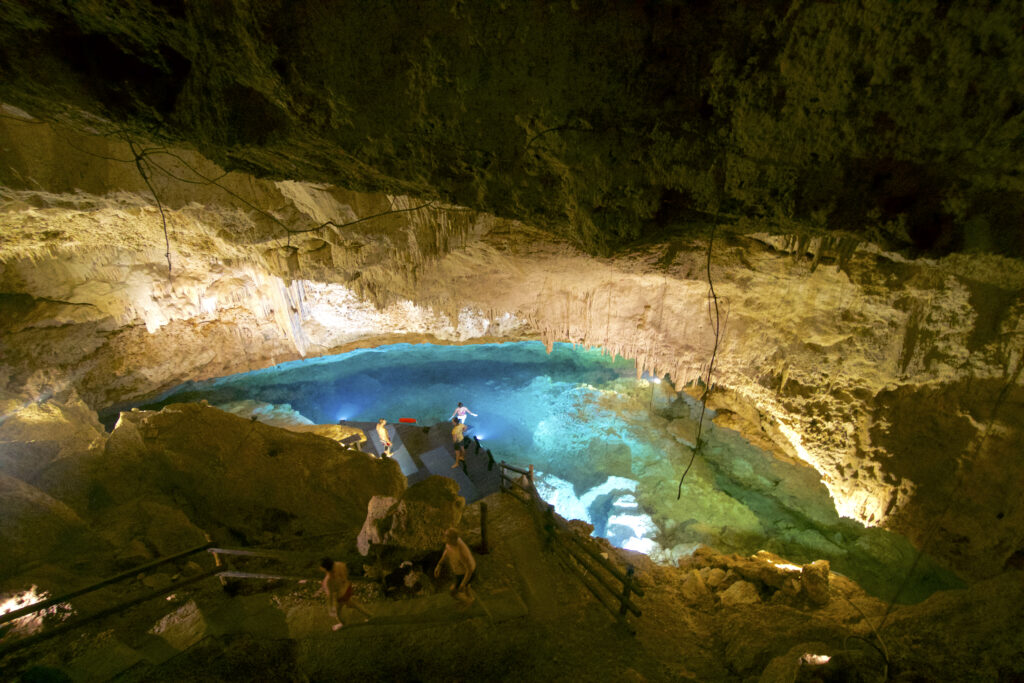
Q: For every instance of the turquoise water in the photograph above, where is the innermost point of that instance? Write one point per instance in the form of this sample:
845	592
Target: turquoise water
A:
602	442
512	387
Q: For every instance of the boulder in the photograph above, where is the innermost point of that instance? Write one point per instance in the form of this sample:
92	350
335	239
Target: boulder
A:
154	525
69	422
814	582
715	576
183	627
696	592
417	519
766	568
739	593
36	527
370	534
25	459
231	473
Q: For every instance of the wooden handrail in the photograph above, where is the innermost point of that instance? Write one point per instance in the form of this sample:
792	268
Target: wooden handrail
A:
605	562
581	552
244	552
516	482
43	604
627	603
506	466
586	580
253	575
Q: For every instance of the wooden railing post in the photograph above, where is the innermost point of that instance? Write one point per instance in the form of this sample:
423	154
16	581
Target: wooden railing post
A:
483	528
584	560
218	562
549	524
627	586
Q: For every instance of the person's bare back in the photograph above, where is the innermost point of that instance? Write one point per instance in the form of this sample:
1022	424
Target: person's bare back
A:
460	560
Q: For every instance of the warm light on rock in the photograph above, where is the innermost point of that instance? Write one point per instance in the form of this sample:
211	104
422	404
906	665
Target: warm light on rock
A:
806	215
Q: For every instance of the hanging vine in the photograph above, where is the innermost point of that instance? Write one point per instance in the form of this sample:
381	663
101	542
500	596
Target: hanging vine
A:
714	317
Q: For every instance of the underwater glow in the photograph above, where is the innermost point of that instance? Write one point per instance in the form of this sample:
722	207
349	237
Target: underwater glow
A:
619	519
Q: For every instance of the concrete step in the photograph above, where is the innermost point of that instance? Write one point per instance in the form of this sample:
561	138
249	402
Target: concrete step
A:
439	461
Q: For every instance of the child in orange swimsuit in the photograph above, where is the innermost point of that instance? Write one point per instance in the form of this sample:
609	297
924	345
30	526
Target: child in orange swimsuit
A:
339	590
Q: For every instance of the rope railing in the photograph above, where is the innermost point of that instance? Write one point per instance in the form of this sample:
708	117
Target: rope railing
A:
609	584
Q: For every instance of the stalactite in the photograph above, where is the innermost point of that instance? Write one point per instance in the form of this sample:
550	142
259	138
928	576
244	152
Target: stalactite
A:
802	240
846	249
821	244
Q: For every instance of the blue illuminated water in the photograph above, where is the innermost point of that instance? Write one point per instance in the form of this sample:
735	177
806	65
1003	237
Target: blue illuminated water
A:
603	441
512	387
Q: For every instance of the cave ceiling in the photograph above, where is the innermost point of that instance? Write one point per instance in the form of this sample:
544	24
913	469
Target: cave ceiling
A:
605	123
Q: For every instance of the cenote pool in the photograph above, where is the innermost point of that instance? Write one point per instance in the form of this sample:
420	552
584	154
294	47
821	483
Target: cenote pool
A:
609	449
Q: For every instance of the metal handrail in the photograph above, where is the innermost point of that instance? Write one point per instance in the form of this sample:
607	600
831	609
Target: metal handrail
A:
43	604
119	607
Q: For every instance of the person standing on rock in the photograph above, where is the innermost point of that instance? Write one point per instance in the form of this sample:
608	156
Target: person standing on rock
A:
461	411
458	436
460	561
339	591
385	440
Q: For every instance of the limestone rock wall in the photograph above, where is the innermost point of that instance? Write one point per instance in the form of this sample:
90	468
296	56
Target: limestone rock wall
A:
879	371
159	482
849	155
96	300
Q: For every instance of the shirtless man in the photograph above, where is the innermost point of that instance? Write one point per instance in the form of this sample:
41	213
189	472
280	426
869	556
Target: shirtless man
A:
461	411
339	591
382	432
461	562
458	435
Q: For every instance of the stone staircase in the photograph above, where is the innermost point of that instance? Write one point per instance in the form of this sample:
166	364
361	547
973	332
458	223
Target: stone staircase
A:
434	454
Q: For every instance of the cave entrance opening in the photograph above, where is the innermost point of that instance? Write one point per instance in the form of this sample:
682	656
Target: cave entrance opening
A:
608	448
